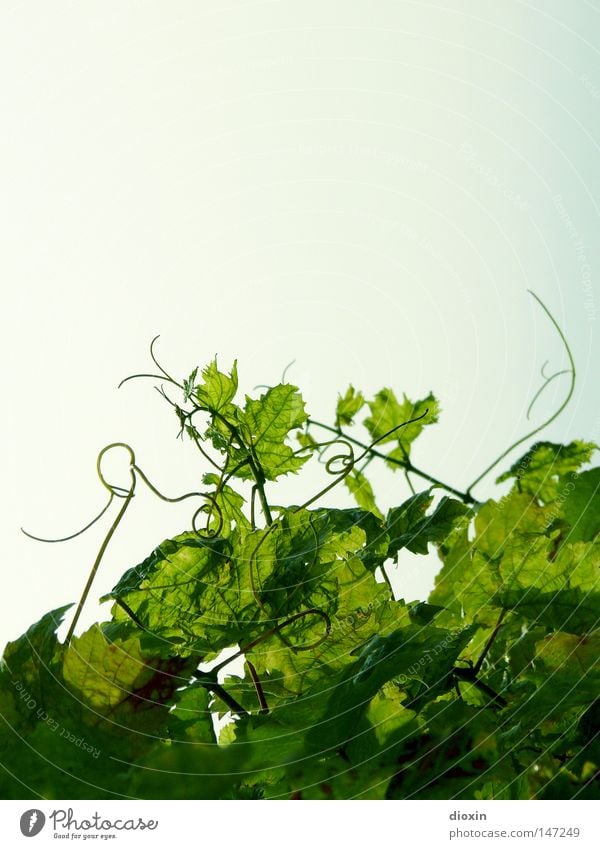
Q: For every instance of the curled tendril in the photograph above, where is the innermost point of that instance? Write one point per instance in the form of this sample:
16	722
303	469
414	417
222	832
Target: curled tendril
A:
235	437
115	490
210	510
349	460
104	545
160	495
547	379
126	495
571	370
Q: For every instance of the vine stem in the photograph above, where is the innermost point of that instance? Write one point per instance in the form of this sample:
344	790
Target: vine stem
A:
490	641
107	538
555	415
403	464
312	611
252	460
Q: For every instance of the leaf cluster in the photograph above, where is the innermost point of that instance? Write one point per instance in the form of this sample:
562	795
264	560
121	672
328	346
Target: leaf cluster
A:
486	690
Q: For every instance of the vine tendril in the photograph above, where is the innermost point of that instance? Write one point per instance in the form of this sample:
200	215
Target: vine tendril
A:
77	533
107	538
349	461
547	380
548	421
127	495
405	464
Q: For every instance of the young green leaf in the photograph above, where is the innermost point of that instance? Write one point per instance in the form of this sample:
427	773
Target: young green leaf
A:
265	425
539	470
218	389
361	489
388	413
348	406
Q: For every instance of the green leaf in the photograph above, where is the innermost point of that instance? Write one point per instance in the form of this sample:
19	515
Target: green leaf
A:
103	674
26	669
74	736
457	753
376	538
348	406
408	515
218	389
563	681
265	424
191	717
538	471
425	653
582	506
488	690
32	653
190	594
514	522
307	441
362	491
561	592
409	526
229	504
388	413
513	563
189	385
310	560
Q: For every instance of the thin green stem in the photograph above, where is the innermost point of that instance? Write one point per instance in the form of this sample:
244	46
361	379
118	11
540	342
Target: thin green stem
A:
490	641
77	533
252	460
99	556
553	416
313	611
260	693
407	465
222	693
386	579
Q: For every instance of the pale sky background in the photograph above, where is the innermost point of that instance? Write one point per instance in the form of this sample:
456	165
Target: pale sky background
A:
367	188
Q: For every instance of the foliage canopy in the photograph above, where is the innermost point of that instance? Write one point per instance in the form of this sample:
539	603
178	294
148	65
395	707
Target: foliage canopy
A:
487	690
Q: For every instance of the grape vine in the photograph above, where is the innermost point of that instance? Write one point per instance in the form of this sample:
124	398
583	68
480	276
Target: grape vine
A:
486	690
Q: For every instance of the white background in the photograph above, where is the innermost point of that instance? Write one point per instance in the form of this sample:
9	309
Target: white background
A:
367	188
